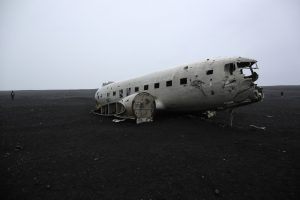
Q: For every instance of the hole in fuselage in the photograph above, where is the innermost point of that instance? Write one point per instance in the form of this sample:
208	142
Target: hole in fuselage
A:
229	68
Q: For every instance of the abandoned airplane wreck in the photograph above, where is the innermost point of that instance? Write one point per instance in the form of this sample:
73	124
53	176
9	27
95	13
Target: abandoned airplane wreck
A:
210	85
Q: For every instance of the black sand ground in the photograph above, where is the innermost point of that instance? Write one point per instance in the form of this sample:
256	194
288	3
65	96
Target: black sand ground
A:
52	148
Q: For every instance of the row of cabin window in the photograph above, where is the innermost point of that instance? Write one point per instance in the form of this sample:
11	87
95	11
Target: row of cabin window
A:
146	87
156	85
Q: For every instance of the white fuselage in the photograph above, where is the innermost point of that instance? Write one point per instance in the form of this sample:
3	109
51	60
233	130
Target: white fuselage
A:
203	85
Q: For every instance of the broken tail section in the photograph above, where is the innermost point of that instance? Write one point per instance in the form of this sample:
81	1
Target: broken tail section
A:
139	106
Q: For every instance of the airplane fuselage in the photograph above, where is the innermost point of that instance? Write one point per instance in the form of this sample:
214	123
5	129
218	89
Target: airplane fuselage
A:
208	85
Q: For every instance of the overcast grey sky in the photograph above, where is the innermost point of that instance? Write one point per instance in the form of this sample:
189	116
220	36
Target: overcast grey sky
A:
73	44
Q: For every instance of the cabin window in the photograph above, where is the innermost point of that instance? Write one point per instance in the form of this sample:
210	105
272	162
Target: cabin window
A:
120	93
209	72
114	93
146	87
128	91
244	64
156	85
169	83
136	89
229	68
108	94
183	81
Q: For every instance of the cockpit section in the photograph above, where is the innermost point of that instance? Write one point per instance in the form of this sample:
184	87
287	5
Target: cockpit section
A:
239	81
244	68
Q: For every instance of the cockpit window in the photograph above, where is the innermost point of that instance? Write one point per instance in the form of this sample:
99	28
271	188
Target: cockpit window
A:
229	68
244	64
247	70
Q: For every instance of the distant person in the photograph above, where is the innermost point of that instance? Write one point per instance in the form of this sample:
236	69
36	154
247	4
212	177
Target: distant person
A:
12	95
281	93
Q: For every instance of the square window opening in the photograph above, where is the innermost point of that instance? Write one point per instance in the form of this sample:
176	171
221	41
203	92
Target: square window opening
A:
128	91
146	87
209	72
120	93
183	81
169	83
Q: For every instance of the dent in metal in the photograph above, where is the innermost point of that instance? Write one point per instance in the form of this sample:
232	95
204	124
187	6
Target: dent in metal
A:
199	85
